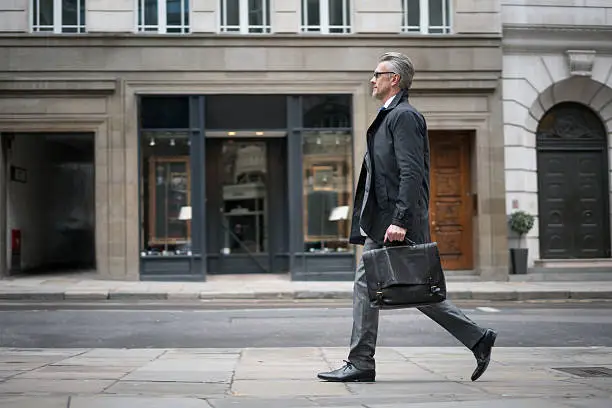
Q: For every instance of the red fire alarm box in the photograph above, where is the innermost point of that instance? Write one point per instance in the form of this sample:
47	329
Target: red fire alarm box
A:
15	250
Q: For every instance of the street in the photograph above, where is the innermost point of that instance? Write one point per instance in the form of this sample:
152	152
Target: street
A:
256	354
300	324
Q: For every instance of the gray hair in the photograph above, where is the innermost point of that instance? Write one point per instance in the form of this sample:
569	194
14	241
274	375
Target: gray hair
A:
401	65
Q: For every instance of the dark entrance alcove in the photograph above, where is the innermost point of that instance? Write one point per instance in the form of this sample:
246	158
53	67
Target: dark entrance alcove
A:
573	184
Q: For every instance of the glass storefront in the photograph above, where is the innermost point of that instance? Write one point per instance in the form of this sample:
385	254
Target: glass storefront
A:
166	193
328	187
245	184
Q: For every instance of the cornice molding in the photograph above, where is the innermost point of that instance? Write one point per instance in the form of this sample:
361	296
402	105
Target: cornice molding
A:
58	86
520	38
276	40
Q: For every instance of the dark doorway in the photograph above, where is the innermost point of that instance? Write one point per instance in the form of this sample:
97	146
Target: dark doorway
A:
246	206
51	202
573	184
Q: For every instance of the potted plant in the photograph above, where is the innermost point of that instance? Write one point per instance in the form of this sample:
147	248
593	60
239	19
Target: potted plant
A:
521	223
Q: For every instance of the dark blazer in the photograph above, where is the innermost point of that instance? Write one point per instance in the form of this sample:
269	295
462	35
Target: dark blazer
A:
398	193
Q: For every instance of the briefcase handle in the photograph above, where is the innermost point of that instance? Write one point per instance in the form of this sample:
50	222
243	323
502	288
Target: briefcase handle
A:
406	241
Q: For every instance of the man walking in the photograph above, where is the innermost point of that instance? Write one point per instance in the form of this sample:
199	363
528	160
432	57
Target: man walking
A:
391	204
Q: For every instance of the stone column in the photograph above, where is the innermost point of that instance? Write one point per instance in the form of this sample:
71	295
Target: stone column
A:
3	222
493	226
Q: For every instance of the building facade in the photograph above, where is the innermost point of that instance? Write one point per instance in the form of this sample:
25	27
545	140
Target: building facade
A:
557	97
226	136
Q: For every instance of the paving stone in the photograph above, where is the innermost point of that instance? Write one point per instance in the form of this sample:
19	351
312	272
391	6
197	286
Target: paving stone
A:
136	402
180	376
528	389
279	373
588	403
33	402
412	387
490	403
22	366
4	374
298	388
39	386
248	402
132	354
189	365
169	389
76	373
386	400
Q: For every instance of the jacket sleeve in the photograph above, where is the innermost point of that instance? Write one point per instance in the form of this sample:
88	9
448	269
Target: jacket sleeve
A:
408	142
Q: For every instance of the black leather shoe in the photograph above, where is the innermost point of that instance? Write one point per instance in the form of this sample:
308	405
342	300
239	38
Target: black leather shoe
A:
348	373
482	352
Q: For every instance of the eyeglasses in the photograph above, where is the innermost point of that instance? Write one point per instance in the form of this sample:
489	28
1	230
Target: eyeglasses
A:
378	74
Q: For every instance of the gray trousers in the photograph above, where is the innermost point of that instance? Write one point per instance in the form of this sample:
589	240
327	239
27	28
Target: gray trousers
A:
365	321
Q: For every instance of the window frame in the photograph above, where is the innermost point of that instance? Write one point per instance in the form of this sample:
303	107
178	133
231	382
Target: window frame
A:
324	24
162	18
243	18
424	25
57	27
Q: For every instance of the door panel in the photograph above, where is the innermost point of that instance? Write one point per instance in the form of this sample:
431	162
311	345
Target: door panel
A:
572	204
245	188
451	200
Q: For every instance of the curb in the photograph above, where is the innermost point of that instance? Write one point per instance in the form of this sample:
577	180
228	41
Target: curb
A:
125	295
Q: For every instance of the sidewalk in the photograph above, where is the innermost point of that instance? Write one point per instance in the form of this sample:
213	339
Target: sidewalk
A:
79	288
286	378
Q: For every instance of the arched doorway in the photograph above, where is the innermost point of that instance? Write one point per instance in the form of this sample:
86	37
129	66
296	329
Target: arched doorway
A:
573	184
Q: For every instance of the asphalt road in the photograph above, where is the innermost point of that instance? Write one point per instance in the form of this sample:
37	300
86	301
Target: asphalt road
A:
222	325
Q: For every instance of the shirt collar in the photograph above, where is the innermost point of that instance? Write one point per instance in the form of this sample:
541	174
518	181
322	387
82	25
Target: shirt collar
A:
388	101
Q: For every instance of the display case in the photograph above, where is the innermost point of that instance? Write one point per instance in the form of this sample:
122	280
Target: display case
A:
169	205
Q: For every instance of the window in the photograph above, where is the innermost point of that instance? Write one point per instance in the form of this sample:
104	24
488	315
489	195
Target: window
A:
328	172
426	16
245	16
165	181
58	16
163	16
326	16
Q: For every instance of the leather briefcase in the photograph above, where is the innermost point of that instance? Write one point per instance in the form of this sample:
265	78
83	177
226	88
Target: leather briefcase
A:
404	274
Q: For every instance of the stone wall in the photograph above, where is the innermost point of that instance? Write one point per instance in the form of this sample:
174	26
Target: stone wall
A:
97	92
560	13
532	85
368	16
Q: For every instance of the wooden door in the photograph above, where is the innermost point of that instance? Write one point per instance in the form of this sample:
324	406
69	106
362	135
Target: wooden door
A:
572	188
451	203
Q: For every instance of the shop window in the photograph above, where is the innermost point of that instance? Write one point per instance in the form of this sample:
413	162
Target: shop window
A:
58	16
245	16
426	16
164	112
326	16
165	182
328	187
163	16
326	111
165	193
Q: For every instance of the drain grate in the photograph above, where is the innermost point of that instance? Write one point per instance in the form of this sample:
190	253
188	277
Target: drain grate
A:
590	372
